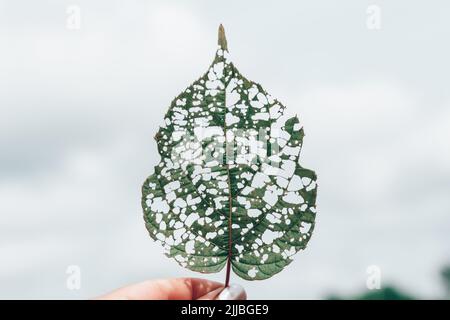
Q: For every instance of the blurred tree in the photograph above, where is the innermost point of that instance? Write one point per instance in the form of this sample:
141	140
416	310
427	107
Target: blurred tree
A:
445	275
386	293
393	293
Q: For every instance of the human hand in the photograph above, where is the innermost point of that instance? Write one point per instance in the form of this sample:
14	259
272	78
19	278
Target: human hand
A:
177	289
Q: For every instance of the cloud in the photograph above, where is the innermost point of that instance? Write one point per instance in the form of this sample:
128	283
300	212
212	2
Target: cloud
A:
79	111
381	162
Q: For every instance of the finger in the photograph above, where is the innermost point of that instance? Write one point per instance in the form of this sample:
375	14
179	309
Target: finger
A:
212	295
170	289
232	292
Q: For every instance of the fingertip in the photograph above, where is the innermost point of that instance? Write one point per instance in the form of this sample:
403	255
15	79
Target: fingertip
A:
233	292
212	295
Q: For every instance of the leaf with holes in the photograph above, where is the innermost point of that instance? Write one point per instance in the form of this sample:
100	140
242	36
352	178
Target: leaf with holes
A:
229	189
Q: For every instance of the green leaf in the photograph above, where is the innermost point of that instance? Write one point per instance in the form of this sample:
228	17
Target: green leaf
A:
229	189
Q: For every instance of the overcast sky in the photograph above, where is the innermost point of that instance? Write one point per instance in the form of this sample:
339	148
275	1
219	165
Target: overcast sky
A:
79	108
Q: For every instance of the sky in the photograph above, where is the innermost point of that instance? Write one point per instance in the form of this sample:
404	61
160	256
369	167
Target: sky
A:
81	99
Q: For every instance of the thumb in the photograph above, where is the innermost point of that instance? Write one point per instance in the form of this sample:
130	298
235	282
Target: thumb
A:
232	292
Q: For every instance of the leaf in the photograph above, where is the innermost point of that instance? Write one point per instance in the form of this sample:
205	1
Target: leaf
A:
243	201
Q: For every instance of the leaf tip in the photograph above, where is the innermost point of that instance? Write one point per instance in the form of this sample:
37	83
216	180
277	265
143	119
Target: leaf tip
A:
222	41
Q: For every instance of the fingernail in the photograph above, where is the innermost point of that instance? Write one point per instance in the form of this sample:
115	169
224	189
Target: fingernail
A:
233	292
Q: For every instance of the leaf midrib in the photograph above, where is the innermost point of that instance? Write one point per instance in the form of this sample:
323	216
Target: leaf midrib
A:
230	199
